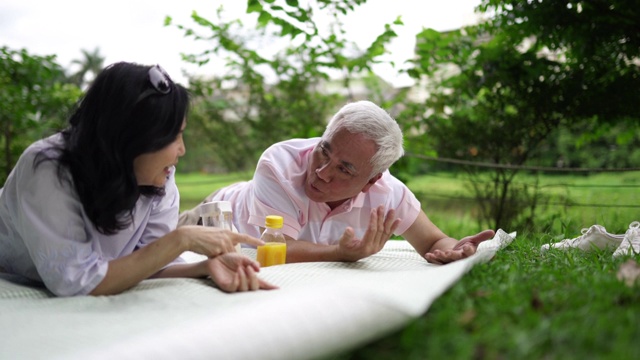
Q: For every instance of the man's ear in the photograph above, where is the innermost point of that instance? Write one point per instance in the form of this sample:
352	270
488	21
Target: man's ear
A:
371	181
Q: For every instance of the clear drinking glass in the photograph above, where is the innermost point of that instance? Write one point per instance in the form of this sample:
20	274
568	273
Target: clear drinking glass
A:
218	214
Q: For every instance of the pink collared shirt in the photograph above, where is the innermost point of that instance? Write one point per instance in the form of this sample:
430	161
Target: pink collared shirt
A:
277	188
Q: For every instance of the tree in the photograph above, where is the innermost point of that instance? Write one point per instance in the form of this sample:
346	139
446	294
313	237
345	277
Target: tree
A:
504	87
90	64
271	97
34	101
597	44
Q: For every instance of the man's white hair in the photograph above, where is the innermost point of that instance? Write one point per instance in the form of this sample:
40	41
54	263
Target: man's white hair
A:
366	118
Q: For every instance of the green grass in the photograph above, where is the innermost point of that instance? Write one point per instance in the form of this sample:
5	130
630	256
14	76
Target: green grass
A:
194	187
523	304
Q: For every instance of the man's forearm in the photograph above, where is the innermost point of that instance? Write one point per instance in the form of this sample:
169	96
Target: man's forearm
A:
305	251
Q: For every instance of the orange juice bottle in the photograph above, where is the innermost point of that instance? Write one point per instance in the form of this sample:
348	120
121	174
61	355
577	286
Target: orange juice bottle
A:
274	251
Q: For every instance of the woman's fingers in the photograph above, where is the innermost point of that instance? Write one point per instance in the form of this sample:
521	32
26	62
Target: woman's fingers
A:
245	239
253	279
243	283
266	285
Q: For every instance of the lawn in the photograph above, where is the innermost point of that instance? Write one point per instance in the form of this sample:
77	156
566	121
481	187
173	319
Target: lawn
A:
194	187
523	304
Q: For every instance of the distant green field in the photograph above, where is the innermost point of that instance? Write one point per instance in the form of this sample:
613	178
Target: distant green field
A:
194	187
611	199
575	201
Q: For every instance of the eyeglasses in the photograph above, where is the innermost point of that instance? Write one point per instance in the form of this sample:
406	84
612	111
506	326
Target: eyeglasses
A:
160	81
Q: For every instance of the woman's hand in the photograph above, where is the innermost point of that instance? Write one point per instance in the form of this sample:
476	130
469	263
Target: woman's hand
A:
212	241
234	272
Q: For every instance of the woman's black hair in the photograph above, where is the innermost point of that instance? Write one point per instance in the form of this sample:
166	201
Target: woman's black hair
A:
112	125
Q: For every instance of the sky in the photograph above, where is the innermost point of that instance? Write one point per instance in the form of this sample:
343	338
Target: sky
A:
133	30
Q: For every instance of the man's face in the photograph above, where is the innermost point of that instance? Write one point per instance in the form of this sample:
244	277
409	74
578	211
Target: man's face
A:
339	168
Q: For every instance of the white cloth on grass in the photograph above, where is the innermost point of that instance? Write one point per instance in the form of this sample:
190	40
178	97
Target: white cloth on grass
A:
321	309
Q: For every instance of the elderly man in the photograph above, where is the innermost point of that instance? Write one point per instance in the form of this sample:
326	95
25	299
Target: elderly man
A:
337	197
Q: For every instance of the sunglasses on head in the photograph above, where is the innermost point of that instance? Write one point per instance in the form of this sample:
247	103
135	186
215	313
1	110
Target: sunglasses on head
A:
160	82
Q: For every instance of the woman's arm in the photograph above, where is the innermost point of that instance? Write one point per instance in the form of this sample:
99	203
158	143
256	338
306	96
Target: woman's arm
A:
127	271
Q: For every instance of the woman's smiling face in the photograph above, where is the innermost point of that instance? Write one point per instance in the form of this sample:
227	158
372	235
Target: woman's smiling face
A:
152	169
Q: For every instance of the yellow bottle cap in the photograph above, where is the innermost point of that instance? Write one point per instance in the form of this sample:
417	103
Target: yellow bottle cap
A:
274	221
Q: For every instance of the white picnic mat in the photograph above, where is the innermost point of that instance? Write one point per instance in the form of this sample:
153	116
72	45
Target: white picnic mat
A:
320	309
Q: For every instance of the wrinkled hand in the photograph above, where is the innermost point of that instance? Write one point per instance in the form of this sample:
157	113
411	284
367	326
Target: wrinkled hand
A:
380	229
464	248
212	241
235	272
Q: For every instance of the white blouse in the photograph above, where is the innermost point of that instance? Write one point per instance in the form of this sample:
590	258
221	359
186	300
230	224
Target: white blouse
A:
46	236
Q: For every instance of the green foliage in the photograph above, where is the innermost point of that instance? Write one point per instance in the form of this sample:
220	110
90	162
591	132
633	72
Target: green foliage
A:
591	145
494	109
266	98
506	90
596	45
34	101
90	66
